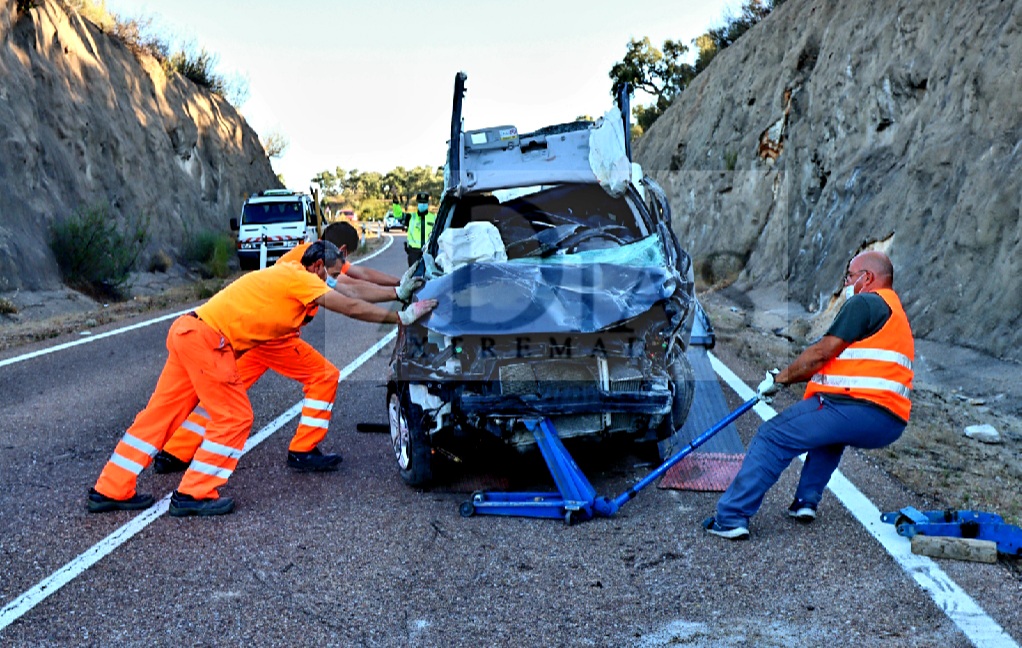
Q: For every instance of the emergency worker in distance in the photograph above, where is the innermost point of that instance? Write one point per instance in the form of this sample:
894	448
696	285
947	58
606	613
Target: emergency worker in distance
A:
420	226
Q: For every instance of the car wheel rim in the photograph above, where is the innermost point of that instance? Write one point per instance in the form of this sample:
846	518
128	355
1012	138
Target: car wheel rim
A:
399	436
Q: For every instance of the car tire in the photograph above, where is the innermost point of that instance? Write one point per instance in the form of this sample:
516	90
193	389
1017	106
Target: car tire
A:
683	386
409	440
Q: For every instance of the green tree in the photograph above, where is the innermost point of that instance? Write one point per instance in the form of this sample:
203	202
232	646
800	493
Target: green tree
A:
659	72
707	48
663	74
371	193
328	183
363	186
395	185
428	179
735	26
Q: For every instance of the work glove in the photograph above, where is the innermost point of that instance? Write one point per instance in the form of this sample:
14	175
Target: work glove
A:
768	387
415	311
408	285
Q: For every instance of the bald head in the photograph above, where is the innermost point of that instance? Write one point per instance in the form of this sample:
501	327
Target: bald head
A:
877	264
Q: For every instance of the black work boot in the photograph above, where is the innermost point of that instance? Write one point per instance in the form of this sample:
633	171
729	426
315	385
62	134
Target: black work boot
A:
100	503
313	461
165	463
182	505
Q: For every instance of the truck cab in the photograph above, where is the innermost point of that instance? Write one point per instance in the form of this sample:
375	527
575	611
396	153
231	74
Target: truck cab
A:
279	218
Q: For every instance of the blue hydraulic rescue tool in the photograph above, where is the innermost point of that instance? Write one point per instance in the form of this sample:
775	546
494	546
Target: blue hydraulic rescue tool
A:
576	499
950	523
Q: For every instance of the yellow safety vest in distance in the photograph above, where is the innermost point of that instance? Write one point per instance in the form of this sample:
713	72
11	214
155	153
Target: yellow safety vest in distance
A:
876	369
415	227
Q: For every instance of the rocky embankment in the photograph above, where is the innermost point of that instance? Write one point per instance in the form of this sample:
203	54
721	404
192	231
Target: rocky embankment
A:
84	122
831	127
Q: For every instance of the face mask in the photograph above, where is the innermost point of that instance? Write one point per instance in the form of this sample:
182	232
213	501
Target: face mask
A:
330	281
849	291
423	207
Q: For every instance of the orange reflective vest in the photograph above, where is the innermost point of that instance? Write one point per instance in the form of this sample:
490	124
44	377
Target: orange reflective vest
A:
878	368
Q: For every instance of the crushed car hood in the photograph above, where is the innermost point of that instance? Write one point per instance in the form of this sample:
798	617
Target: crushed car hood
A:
513	298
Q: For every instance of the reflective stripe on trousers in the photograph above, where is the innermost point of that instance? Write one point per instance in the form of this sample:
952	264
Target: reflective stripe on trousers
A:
293	358
199	365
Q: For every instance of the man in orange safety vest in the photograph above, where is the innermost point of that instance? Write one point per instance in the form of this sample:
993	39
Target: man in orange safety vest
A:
860	378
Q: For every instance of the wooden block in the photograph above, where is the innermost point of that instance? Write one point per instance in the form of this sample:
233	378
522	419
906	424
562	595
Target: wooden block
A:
957	548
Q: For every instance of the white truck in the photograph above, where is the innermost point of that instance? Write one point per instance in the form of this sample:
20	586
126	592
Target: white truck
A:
271	223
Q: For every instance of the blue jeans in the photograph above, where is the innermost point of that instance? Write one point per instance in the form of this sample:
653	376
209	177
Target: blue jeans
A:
821	427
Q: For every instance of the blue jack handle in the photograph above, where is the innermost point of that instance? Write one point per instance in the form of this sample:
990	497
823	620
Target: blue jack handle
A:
607	507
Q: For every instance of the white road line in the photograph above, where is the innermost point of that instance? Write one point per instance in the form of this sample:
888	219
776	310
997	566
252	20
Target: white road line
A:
963	611
91	338
19	606
100	336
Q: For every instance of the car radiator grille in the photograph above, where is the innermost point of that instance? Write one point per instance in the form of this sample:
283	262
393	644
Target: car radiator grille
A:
564	378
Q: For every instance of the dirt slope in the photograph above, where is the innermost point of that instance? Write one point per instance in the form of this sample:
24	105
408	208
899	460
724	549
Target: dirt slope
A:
833	126
85	122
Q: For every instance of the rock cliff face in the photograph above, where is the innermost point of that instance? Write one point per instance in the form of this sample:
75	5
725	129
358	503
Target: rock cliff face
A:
83	122
835	126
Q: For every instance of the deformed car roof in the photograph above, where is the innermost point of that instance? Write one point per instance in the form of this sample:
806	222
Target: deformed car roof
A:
580	152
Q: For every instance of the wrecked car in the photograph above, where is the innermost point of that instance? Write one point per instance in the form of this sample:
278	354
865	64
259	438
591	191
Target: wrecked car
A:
563	293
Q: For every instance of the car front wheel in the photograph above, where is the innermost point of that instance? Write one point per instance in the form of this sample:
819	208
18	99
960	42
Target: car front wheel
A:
683	392
410	441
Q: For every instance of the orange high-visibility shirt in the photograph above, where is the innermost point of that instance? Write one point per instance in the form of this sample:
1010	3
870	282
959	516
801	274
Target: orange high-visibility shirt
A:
296	253
877	368
263	305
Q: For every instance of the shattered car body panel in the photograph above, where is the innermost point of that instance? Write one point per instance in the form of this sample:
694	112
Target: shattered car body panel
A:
584	317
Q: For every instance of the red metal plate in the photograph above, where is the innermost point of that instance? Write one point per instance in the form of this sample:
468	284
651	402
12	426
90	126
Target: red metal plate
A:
703	471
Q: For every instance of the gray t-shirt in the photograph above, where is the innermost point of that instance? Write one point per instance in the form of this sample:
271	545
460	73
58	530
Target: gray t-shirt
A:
861	316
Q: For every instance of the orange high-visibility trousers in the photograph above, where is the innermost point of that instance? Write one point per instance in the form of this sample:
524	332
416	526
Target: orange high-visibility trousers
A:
200	366
293	358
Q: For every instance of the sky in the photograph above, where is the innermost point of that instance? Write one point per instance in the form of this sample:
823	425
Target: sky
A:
368	85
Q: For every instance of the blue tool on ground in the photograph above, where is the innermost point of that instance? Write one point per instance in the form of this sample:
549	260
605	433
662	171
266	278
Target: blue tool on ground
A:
576	499
957	524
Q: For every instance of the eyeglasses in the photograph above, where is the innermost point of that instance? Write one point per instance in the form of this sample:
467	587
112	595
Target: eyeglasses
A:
849	276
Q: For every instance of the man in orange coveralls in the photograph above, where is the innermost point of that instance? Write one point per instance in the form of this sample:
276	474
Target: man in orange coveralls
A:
294	358
203	346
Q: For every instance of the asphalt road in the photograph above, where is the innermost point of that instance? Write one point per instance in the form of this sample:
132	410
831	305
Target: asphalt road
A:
356	558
